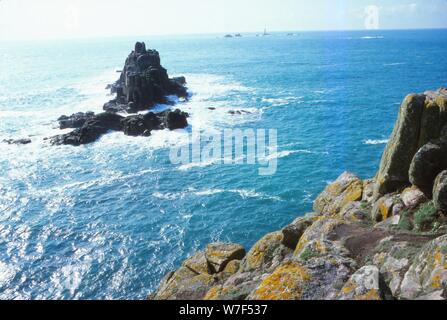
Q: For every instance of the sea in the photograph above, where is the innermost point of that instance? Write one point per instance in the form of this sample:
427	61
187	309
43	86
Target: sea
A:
108	220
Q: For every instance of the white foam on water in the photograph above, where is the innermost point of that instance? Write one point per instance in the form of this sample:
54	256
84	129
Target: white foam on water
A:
243	193
372	37
376	141
394	64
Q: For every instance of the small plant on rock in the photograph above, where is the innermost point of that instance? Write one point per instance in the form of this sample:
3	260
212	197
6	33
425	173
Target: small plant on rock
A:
426	216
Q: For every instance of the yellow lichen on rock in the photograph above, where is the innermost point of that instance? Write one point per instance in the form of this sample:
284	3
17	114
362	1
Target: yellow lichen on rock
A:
347	188
285	283
256	256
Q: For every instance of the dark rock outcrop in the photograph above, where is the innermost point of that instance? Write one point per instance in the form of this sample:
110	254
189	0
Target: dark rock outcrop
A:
74	121
427	163
91	130
135	125
143	83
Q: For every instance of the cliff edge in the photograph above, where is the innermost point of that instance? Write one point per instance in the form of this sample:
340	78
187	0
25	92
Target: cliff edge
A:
378	239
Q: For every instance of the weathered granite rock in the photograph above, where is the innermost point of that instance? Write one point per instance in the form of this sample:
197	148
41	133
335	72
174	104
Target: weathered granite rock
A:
413	197
266	254
345	189
404	142
421	120
440	192
317	272
428	162
393	256
356	211
292	233
383	207
363	285
219	255
428	273
184	284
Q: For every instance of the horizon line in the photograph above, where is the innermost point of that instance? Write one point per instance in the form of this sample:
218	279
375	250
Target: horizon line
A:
162	35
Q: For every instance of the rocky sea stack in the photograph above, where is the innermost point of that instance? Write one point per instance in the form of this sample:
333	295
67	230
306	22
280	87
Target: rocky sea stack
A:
379	239
143	84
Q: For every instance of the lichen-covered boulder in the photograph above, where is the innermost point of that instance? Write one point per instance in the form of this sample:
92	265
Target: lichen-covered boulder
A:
319	230
428	273
356	212
184	284
403	144
363	285
219	255
440	192
427	163
287	282
237	287
266	254
345	189
317	272
292	233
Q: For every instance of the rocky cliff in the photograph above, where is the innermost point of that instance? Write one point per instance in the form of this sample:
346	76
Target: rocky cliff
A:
380	239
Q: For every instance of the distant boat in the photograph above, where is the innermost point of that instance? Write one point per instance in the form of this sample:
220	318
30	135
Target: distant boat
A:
238	35
228	36
265	32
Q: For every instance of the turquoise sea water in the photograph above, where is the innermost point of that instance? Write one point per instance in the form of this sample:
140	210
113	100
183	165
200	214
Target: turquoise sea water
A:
109	220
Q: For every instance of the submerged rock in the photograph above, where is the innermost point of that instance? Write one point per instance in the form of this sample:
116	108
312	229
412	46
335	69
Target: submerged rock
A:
17	141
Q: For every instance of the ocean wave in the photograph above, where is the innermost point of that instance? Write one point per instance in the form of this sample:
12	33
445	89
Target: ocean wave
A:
376	141
394	64
372	37
243	193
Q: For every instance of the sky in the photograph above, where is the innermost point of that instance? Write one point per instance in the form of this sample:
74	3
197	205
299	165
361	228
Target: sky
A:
56	19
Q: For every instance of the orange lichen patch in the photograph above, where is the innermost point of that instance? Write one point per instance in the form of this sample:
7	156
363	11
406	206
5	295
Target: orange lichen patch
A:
232	267
384	210
255	257
348	289
436	281
213	293
353	193
371	295
285	283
